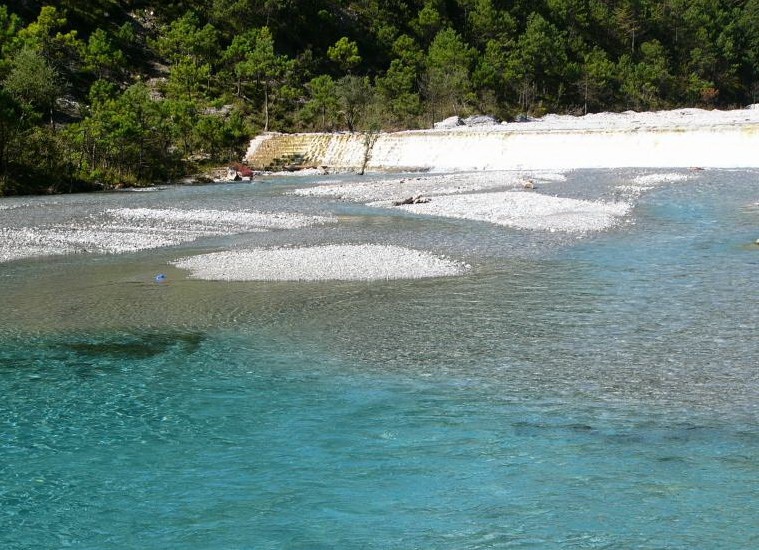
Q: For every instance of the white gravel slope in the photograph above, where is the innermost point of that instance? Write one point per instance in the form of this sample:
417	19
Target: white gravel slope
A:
692	118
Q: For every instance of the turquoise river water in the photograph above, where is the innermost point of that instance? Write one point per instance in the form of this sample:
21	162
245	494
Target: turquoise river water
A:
567	393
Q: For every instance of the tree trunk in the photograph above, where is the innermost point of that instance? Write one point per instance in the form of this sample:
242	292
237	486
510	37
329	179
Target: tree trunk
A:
266	107
585	107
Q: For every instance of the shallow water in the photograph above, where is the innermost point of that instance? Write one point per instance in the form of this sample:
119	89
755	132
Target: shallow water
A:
596	392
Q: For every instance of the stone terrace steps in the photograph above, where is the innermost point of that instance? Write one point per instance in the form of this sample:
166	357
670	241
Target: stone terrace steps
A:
269	150
294	151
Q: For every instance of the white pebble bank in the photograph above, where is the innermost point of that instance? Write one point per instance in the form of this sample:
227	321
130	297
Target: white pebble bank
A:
379	191
30	242
642	184
659	178
363	262
219	221
527	211
124	230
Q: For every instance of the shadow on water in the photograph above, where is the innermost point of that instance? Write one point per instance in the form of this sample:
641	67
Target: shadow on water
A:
136	347
98	355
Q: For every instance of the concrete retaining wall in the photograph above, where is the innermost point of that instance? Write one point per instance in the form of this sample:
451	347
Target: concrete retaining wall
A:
459	150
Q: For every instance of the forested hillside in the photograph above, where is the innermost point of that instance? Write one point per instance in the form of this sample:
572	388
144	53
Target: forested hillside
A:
107	92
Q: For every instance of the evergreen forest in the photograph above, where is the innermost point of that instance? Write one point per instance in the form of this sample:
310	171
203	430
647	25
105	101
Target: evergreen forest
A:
102	93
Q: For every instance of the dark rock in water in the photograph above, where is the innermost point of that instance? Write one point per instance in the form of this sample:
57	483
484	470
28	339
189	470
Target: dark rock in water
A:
581	428
481	120
412	200
521	117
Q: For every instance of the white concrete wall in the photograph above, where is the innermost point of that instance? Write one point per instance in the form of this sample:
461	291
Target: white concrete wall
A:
719	146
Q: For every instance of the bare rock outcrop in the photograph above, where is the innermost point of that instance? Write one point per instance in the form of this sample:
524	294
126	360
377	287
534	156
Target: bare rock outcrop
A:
448	123
481	120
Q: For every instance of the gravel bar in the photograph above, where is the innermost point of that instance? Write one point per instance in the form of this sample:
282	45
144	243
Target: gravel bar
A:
361	262
527	211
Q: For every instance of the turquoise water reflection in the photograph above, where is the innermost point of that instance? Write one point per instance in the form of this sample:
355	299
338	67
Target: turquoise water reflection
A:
598	395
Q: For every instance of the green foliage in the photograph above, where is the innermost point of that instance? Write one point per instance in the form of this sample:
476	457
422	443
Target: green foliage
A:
46	35
597	77
486	23
345	54
449	63
538	63
186	39
261	68
101	56
33	82
10	126
399	94
126	139
430	19
645	84
221	136
408	51
187	78
10	24
354	94
323	104
120	91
